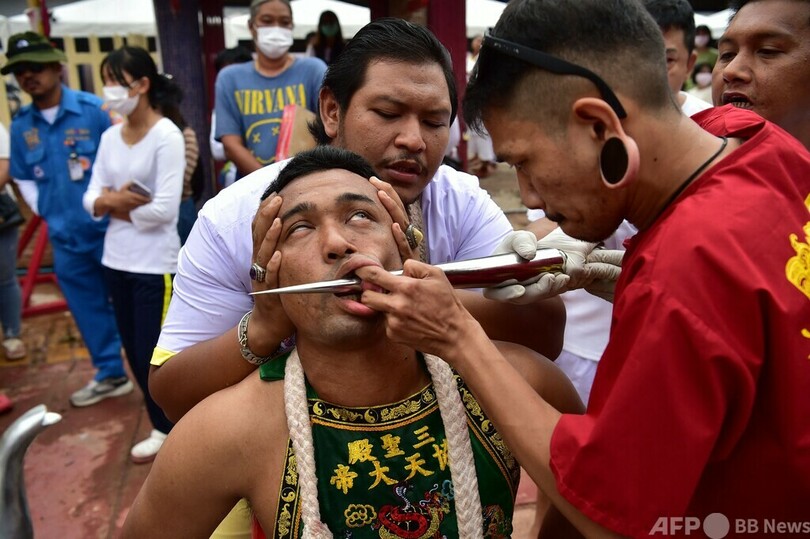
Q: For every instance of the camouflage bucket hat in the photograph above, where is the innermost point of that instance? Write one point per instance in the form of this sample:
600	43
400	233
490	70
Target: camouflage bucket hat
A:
32	48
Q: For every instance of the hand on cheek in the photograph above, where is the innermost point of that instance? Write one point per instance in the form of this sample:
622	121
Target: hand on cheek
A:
421	308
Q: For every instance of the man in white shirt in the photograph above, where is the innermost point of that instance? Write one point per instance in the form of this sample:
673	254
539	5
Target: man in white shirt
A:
391	98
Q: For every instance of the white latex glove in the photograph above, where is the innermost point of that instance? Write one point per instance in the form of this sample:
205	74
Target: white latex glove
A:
545	285
603	267
521	242
582	268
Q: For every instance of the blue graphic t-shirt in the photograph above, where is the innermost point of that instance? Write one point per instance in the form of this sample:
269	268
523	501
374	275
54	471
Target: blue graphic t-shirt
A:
251	105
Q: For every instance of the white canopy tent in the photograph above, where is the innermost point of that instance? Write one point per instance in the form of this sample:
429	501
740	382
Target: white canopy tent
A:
717	22
96	17
305	15
119	17
5	32
481	14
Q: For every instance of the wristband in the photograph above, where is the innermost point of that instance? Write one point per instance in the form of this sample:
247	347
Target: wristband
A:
249	356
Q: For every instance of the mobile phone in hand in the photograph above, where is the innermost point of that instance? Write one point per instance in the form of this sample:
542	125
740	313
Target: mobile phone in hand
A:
140	189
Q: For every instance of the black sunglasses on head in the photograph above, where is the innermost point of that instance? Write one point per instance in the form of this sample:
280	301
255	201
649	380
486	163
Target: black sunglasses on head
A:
554	65
32	67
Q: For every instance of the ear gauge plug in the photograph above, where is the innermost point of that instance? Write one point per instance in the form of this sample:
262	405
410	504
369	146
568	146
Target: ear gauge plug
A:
618	161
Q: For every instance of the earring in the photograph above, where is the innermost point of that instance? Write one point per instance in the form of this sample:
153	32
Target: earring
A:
618	161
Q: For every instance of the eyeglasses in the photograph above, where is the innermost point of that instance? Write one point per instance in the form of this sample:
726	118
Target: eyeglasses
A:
19	69
554	65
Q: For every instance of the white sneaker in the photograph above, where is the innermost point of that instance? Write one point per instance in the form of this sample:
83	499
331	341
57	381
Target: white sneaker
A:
95	392
14	348
146	450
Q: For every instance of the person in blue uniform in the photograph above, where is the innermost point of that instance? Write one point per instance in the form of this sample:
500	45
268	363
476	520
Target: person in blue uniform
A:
53	145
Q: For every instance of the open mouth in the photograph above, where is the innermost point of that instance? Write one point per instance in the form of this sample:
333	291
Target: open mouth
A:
738	100
350	294
355	294
406	167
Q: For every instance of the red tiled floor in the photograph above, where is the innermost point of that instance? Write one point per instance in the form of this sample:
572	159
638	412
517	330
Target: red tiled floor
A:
527	491
524	521
79	479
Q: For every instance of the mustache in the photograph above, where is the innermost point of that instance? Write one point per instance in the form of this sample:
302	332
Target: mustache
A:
405	156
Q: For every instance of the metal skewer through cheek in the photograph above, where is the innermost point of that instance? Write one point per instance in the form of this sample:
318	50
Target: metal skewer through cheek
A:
474	273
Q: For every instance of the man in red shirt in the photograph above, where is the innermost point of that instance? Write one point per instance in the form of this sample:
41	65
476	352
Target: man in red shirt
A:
699	408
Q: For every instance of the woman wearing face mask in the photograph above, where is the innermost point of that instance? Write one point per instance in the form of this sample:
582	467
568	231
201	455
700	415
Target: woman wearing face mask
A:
328	42
706	54
702	77
137	180
250	98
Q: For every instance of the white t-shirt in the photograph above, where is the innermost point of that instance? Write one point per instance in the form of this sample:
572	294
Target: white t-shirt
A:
212	283
587	317
587	327
704	94
693	104
5	148
217	148
5	143
453	140
50	113
149	244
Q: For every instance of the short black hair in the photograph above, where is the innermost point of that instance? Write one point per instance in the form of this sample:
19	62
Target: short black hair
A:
383	39
705	28
616	39
320	158
255	4
674	15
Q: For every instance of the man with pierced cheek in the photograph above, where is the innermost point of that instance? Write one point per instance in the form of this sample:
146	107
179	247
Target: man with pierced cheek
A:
353	434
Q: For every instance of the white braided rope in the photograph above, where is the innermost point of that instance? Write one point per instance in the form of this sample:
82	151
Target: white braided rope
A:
460	456
297	408
462	466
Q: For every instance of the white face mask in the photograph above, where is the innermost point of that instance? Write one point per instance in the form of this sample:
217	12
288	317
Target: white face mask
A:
274	41
702	40
117	98
703	79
